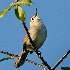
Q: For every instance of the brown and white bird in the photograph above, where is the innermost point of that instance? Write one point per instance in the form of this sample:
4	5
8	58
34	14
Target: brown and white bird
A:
38	34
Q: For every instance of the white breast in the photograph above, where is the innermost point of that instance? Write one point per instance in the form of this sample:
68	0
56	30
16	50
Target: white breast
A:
38	34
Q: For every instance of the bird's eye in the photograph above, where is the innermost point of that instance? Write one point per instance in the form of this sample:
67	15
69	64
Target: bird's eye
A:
32	18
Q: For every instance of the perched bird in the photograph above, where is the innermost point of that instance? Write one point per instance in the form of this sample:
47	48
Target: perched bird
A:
38	34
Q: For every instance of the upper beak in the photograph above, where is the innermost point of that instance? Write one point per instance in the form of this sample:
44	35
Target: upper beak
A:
36	12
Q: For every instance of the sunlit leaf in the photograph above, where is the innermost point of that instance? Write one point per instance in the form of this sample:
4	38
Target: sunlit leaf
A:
65	68
28	1
24	3
5	10
20	13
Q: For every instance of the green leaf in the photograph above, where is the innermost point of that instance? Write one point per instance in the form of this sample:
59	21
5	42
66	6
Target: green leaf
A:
28	1
5	10
20	13
24	3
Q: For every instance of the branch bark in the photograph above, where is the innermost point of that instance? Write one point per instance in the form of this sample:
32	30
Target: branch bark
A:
11	56
38	54
61	59
7	53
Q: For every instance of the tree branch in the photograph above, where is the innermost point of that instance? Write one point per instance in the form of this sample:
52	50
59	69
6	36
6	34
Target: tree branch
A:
6	59
7	53
26	29
37	51
38	54
36	64
11	56
61	59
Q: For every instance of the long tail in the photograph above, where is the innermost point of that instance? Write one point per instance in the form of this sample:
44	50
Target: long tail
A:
21	59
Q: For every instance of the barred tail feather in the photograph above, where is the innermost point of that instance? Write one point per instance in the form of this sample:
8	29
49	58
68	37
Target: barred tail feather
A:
21	59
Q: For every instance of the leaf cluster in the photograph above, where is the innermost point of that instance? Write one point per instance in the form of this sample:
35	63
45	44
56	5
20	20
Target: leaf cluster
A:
19	12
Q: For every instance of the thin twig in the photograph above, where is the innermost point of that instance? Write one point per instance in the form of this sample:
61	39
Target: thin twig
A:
41	66
13	55
61	59
37	51
42	59
26	29
6	59
7	53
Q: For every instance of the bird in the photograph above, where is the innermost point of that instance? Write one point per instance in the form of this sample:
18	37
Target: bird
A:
38	34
